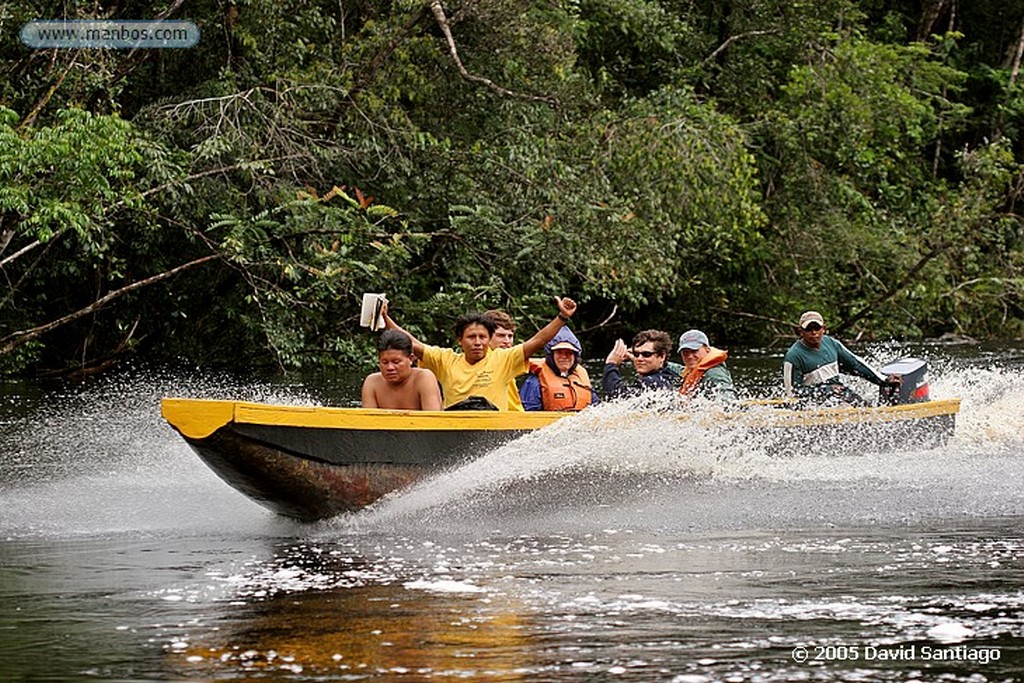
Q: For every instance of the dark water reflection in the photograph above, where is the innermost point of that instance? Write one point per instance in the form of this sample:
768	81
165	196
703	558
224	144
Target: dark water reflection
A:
123	558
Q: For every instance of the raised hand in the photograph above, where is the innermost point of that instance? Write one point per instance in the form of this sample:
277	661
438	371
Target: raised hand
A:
619	353
566	306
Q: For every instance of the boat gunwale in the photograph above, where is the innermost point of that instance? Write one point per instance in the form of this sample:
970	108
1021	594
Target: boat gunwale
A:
199	418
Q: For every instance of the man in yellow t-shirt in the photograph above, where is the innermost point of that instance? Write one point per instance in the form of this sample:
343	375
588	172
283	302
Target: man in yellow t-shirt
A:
480	370
504	337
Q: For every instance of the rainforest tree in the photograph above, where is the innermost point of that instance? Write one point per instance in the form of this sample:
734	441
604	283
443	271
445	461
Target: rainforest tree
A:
711	164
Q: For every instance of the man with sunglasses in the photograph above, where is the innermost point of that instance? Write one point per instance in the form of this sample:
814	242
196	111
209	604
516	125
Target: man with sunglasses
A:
649	354
811	368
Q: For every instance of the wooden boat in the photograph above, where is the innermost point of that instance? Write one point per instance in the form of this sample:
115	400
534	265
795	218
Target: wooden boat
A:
311	463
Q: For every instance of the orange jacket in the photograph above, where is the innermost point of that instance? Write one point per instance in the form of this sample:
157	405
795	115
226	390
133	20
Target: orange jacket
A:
691	377
563	394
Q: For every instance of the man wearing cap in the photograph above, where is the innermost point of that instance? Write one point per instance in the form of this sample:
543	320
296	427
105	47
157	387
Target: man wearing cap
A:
704	369
559	383
812	365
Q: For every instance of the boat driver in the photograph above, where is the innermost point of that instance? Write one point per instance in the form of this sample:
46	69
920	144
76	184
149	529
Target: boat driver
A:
812	365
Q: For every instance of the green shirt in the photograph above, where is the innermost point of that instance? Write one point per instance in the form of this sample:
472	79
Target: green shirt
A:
804	367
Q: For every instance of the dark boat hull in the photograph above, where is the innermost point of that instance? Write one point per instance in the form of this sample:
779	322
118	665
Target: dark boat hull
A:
310	476
310	463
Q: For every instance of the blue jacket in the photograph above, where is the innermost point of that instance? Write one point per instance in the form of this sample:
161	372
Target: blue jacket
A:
616	387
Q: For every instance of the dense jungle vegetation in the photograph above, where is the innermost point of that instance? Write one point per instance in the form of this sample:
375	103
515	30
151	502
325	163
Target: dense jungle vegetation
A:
668	163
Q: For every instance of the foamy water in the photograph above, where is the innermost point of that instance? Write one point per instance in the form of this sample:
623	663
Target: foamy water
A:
977	473
664	549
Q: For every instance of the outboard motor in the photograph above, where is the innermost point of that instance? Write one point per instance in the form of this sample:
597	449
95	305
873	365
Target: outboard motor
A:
914	388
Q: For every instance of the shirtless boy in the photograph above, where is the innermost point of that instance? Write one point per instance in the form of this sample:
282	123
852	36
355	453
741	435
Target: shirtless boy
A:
399	385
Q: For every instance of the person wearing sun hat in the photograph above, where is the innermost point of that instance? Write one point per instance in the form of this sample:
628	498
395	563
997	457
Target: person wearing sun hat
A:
704	369
812	366
559	383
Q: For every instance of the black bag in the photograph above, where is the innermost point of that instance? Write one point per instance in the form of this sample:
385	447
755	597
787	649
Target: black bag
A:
473	403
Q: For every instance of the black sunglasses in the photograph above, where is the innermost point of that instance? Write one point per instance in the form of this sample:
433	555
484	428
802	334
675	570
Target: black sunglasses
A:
813	327
644	354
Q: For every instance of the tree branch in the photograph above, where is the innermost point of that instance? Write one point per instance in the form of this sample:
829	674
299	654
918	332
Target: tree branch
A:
753	316
44	100
442	21
29	247
930	14
911	274
729	41
16	339
1018	53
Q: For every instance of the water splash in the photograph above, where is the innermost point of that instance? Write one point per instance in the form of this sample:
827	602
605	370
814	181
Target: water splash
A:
626	449
98	458
992	406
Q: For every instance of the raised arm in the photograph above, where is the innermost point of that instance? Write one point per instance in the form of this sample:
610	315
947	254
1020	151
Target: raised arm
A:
856	365
535	344
389	323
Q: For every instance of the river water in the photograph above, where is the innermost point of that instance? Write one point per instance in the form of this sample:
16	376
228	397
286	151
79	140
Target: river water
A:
653	553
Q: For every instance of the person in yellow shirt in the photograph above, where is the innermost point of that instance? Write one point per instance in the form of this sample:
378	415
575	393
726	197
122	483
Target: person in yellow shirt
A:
478	371
504	337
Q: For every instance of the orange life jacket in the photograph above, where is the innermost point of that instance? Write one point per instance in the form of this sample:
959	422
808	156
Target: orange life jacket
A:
692	377
563	394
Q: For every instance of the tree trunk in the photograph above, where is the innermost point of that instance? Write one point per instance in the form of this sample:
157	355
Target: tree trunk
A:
931	12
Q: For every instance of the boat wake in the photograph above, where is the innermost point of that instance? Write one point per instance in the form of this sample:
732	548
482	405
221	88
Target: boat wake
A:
100	459
629	457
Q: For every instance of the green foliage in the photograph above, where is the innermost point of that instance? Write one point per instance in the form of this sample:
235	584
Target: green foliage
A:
859	202
634	48
66	177
306	263
713	164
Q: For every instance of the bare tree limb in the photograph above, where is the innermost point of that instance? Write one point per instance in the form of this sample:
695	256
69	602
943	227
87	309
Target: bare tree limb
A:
607	319
906	280
16	339
16	285
930	15
754	316
44	100
729	41
1015	69
29	247
5	239
442	21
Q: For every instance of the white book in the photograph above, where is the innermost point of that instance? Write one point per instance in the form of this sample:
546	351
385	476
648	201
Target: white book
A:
371	314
